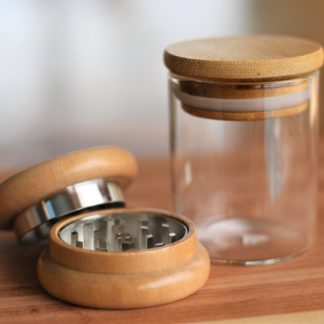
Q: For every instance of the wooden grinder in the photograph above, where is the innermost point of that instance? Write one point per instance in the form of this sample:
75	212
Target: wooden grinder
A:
99	255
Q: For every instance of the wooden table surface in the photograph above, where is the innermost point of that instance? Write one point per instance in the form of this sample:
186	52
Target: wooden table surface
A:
290	292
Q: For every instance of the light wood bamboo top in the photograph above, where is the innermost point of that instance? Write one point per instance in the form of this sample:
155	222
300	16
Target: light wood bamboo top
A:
244	58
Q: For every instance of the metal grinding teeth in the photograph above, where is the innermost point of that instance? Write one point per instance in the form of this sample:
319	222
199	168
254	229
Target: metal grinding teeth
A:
110	235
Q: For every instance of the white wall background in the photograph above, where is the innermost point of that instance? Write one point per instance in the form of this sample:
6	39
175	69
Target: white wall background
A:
90	72
301	18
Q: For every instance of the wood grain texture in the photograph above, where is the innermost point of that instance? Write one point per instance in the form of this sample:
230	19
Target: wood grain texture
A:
254	57
135	289
311	317
245	116
29	186
230	293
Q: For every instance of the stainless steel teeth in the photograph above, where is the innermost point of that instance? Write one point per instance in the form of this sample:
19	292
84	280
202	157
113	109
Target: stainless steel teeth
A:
123	232
79	244
75	239
149	241
100	240
110	237
128	243
172	237
145	239
88	236
101	245
123	241
165	227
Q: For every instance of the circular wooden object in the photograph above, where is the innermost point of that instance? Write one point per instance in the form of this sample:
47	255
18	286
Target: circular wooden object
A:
244	58
45	179
128	279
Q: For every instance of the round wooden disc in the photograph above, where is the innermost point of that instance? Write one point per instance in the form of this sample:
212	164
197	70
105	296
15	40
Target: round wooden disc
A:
42	180
255	57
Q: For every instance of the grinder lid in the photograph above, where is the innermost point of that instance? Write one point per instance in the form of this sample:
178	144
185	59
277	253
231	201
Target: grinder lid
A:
66	184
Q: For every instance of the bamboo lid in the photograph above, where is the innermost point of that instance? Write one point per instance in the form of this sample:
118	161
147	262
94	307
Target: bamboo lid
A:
244	58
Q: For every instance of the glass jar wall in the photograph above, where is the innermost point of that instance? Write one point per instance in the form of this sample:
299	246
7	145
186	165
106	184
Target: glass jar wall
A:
244	165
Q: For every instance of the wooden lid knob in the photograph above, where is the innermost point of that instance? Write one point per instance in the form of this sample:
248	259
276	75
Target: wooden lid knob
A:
38	182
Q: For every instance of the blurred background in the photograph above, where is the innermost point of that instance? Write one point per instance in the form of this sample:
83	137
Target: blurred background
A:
84	73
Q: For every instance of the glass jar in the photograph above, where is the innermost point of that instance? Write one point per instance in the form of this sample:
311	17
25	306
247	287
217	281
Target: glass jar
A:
243	114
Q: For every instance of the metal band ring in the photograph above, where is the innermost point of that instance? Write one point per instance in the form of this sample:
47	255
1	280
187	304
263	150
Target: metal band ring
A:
33	224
